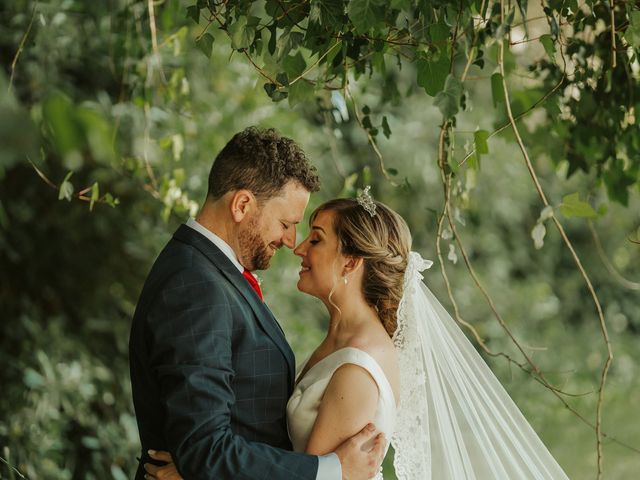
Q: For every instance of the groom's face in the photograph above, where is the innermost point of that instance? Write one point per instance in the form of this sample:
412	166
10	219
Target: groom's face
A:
273	226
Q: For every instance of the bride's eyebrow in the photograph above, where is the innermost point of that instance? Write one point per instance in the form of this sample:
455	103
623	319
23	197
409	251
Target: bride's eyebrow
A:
315	227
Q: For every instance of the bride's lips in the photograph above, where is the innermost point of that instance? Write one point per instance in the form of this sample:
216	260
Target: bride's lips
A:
304	269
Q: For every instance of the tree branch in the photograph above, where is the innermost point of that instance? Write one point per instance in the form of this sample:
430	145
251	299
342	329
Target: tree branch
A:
21	46
154	39
612	6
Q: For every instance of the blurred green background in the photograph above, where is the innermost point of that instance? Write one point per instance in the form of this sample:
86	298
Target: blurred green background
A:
137	132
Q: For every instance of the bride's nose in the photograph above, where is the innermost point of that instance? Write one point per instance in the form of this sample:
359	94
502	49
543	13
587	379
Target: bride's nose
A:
300	250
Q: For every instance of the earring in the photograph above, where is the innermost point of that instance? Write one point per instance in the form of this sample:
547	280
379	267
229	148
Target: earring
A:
345	279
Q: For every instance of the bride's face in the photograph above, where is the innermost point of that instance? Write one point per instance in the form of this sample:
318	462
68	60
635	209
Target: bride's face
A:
321	260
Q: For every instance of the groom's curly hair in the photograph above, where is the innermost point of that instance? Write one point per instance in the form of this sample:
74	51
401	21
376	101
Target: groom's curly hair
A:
262	161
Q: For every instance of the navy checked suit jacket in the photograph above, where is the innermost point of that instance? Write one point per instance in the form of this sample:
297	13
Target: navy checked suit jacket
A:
211	370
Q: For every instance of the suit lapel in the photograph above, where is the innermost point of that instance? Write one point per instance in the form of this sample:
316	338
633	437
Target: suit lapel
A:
262	313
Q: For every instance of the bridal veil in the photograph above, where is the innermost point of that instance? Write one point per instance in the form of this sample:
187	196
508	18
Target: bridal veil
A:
455	420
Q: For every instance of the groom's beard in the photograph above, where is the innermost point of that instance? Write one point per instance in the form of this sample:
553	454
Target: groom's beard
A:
253	248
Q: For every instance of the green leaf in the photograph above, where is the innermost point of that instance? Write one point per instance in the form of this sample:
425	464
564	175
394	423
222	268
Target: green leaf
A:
66	188
273	29
448	100
497	90
523	6
283	79
33	379
279	95
285	13
270	88
480	138
66	191
453	164
91	443
549	46
294	65
378	63
349	184
110	200
618	181
385	127
439	33
401	4
572	206
327	13
95	195
98	133
193	12
205	44
287	42
508	21
59	114
364	14
433	74
179	176
300	92
473	162
603	209
241	34
177	146
632	34
480	6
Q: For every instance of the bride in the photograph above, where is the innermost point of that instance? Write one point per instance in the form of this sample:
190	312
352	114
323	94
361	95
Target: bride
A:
392	356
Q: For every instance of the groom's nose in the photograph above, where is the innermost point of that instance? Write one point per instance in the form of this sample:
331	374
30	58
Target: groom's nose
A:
289	237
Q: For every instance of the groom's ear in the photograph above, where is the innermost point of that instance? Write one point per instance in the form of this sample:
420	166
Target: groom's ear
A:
242	202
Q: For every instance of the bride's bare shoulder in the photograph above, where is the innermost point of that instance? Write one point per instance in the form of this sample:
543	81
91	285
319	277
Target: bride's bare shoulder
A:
381	348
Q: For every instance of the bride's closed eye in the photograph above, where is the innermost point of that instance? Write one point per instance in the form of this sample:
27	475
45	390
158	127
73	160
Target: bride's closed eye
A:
313	242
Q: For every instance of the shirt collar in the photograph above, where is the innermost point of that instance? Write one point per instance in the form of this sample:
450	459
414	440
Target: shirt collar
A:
217	241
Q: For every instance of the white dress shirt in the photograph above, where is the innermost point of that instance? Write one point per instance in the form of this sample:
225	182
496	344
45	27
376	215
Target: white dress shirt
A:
329	467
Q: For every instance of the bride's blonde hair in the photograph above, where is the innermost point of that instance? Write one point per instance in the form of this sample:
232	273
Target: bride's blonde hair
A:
383	241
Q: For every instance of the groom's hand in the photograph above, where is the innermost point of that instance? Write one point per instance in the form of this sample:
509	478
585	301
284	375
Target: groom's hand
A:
361	455
165	472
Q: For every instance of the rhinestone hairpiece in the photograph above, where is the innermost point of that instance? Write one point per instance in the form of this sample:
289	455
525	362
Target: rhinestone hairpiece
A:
366	201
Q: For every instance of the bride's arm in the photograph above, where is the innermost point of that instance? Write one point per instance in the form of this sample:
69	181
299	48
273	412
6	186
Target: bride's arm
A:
348	405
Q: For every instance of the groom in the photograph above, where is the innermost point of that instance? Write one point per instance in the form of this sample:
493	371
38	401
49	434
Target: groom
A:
211	370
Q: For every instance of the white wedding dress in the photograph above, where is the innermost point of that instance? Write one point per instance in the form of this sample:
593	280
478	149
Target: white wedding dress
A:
303	405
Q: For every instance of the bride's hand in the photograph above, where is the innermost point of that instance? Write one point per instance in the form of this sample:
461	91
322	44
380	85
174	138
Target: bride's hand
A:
165	472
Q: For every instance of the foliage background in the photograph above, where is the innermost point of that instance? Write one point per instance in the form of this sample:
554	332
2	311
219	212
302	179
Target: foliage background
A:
87	94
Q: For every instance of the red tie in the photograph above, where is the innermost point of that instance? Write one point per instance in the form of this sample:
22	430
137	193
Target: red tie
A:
253	282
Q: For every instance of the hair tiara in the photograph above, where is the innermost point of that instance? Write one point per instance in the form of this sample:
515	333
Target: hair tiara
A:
366	201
